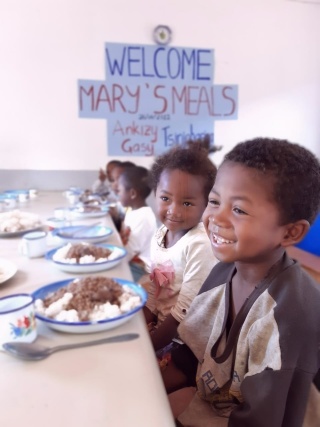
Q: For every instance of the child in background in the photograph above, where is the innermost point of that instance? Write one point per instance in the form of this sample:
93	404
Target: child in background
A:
102	185
182	179
116	210
139	224
252	335
116	172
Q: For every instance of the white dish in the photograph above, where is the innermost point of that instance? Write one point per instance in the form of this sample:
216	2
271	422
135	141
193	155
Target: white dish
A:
89	267
17	192
80	212
88	327
20	232
94	234
16	223
7	270
22	195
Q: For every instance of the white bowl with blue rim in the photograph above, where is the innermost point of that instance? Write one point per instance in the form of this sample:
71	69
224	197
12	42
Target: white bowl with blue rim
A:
89	326
53	223
87	211
70	266
8	201
21	195
83	233
73	194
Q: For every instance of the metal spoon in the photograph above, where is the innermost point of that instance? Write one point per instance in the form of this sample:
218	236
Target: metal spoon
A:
35	351
78	231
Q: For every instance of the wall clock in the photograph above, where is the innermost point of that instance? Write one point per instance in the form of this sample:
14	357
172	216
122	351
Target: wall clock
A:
162	34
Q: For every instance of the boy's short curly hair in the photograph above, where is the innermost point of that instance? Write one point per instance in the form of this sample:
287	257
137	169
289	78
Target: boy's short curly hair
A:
295	172
192	157
138	178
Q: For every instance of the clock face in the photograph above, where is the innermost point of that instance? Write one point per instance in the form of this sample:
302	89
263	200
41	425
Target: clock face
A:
162	34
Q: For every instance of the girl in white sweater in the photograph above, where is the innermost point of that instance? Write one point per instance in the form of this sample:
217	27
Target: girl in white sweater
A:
180	250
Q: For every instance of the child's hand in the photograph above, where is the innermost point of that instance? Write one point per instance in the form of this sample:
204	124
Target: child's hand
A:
102	175
124	234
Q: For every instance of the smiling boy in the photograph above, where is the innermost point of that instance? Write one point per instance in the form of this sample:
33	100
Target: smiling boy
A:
252	335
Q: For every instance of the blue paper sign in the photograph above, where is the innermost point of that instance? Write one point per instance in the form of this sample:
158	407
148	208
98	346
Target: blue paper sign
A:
155	97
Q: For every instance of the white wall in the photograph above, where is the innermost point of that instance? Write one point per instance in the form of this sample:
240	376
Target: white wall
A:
270	48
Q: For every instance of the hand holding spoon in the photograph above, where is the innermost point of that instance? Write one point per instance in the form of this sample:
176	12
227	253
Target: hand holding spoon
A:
34	351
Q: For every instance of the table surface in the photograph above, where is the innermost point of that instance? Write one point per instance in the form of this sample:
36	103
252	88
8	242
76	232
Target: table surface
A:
108	385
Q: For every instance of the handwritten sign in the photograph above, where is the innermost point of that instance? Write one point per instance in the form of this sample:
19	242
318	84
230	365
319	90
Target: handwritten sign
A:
155	97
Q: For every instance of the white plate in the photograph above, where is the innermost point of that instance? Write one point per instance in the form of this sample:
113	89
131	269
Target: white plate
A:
7	270
89	267
17	192
78	212
88	327
20	232
25	221
94	234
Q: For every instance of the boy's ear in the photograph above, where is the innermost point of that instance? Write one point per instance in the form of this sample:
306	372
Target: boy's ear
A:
133	193
295	232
